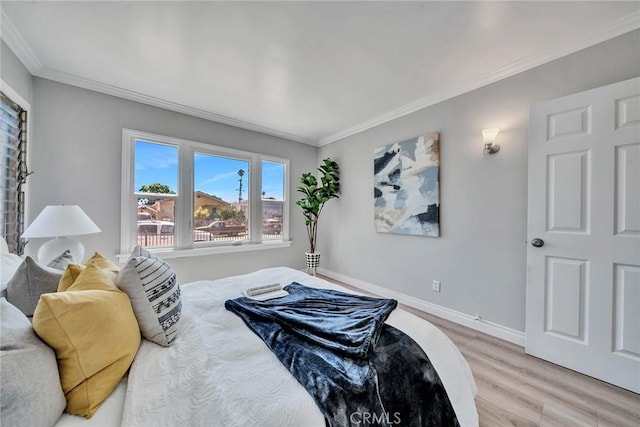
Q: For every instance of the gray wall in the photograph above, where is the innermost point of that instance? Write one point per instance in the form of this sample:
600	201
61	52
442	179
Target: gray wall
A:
15	74
76	155
481	254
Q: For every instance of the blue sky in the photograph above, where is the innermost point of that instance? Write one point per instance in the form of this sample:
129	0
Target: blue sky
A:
213	175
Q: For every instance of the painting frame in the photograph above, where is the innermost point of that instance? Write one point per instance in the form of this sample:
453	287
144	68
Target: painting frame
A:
407	186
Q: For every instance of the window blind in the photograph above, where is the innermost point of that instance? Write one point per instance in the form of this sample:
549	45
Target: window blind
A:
13	170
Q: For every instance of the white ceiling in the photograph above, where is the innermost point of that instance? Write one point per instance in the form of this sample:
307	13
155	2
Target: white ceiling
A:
312	72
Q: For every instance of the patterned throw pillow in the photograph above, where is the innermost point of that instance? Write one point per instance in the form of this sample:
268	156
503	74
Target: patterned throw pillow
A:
61	261
155	296
140	251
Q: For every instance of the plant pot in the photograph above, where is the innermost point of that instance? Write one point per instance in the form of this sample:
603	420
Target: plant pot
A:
312	261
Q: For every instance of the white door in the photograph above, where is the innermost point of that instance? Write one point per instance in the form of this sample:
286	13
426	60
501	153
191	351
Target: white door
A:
583	283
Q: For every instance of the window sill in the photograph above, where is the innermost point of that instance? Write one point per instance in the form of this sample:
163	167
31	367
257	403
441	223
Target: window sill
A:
210	250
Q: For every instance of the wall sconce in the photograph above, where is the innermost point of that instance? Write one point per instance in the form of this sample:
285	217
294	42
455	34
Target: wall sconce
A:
489	139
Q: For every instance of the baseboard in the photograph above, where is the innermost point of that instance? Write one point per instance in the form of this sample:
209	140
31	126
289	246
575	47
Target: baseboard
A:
490	328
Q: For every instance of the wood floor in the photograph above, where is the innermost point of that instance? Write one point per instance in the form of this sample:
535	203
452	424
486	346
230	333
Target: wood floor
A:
515	389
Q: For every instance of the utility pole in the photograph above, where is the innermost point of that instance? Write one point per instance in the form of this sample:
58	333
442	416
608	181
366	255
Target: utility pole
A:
241	174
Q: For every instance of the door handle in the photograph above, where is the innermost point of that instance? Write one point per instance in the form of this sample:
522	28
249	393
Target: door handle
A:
537	243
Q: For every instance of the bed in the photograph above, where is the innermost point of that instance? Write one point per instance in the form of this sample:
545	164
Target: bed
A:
218	372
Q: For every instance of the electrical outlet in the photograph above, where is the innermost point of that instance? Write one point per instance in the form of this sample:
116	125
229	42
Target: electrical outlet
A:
436	285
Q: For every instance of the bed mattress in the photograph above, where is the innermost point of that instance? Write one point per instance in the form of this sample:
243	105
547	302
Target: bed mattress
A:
218	372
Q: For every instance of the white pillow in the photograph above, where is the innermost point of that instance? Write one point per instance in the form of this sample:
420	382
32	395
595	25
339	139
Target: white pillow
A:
4	249
31	280
9	263
29	377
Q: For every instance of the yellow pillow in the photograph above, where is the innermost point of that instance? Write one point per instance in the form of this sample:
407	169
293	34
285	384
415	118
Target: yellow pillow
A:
73	270
69	276
92	329
104	263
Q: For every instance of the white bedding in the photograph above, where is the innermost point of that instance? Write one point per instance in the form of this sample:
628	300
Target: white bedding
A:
220	373
108	415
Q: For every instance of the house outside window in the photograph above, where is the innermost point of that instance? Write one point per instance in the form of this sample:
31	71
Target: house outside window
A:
180	195
273	199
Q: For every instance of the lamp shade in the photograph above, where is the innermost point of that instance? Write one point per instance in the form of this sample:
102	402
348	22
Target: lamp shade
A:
489	135
60	220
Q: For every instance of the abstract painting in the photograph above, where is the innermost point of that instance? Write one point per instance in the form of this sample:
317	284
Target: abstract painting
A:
406	186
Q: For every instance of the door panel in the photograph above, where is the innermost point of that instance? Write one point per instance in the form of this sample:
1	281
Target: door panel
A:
583	285
569	123
568	192
627	310
565	304
627	190
627	111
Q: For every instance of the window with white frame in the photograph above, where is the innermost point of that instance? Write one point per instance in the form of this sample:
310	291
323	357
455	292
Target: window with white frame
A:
179	195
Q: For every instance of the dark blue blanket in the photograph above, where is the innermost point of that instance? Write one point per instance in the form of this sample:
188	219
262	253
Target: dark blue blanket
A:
360	371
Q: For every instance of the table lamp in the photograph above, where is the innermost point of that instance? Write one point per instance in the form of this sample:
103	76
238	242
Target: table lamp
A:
60	221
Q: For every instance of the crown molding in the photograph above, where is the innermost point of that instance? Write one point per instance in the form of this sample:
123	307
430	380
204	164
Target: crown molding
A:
605	32
12	37
142	98
25	54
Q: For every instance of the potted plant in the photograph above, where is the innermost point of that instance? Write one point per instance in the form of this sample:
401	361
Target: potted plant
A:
316	194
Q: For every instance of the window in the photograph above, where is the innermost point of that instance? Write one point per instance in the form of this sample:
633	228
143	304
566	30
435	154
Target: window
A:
273	184
13	170
221	207
181	195
154	186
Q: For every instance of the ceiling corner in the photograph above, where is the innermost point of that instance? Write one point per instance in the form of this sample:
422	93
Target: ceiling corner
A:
12	37
603	33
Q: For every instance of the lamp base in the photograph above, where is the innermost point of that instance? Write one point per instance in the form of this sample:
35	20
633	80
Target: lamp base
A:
54	248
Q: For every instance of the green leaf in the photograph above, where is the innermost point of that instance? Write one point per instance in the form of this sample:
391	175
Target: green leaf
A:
316	192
